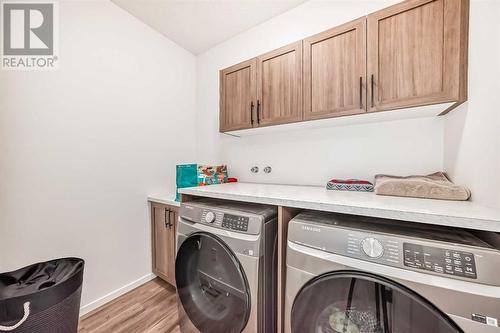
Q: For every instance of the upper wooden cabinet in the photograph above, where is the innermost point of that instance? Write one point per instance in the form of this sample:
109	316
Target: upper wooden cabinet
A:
417	54
335	71
412	54
279	86
238	96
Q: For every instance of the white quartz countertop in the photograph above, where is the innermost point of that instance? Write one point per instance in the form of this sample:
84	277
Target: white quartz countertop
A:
165	199
463	214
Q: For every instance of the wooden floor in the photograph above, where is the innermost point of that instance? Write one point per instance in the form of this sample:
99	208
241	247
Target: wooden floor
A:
150	308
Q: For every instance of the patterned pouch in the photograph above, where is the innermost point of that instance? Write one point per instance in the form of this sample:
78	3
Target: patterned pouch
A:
349	185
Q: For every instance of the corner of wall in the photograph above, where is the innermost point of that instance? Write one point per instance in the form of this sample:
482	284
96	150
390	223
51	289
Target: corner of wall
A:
471	155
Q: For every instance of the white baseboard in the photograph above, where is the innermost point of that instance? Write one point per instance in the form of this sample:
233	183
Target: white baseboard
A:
115	293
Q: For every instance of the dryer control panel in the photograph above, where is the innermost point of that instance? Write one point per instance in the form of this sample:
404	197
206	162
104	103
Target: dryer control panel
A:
380	249
449	253
438	260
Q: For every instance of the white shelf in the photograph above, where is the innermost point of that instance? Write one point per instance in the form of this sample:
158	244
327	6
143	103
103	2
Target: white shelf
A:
164	199
462	214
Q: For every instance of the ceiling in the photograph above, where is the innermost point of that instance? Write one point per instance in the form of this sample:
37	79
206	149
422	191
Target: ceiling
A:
198	25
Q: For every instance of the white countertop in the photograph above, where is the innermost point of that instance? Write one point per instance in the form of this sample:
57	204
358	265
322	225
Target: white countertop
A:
463	214
164	199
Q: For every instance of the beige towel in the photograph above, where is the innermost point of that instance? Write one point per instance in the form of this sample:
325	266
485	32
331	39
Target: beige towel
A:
433	186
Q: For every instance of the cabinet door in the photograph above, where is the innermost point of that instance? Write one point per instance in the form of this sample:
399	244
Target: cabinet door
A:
163	237
279	86
237	96
417	54
335	71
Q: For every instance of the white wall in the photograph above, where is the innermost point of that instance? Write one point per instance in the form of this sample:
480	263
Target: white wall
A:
309	156
83	146
472	132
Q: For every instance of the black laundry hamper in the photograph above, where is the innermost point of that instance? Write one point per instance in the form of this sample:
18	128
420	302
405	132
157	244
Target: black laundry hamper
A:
42	298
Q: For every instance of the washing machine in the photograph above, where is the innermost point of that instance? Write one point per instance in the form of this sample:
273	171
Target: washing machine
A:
225	267
351	274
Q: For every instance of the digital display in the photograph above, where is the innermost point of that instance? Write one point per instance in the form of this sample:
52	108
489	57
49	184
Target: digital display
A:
444	261
235	222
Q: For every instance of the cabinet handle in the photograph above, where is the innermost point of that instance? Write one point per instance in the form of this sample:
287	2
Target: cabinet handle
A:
251	112
373	90
361	92
154	215
167	218
258	112
171	224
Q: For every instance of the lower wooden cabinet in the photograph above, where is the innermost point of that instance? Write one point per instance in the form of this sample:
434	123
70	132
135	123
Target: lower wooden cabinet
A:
163	226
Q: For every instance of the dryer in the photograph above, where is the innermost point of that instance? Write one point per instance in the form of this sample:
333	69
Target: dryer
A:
368	275
225	267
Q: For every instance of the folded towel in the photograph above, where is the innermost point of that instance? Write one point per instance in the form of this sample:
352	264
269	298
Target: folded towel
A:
433	186
349	185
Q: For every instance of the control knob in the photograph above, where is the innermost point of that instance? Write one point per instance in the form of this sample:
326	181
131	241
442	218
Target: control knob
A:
372	247
209	217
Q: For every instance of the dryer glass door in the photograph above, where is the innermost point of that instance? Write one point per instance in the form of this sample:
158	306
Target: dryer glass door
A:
357	302
211	284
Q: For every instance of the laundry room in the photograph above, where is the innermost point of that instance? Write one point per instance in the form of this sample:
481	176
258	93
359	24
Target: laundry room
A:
250	166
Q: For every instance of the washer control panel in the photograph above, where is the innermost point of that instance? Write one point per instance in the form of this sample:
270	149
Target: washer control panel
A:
211	217
226	218
235	222
443	261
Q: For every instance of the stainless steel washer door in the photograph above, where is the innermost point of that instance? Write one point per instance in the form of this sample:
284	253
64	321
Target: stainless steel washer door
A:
212	285
358	302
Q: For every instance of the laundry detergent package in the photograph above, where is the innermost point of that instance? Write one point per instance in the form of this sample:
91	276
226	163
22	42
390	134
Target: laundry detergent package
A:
209	175
186	175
